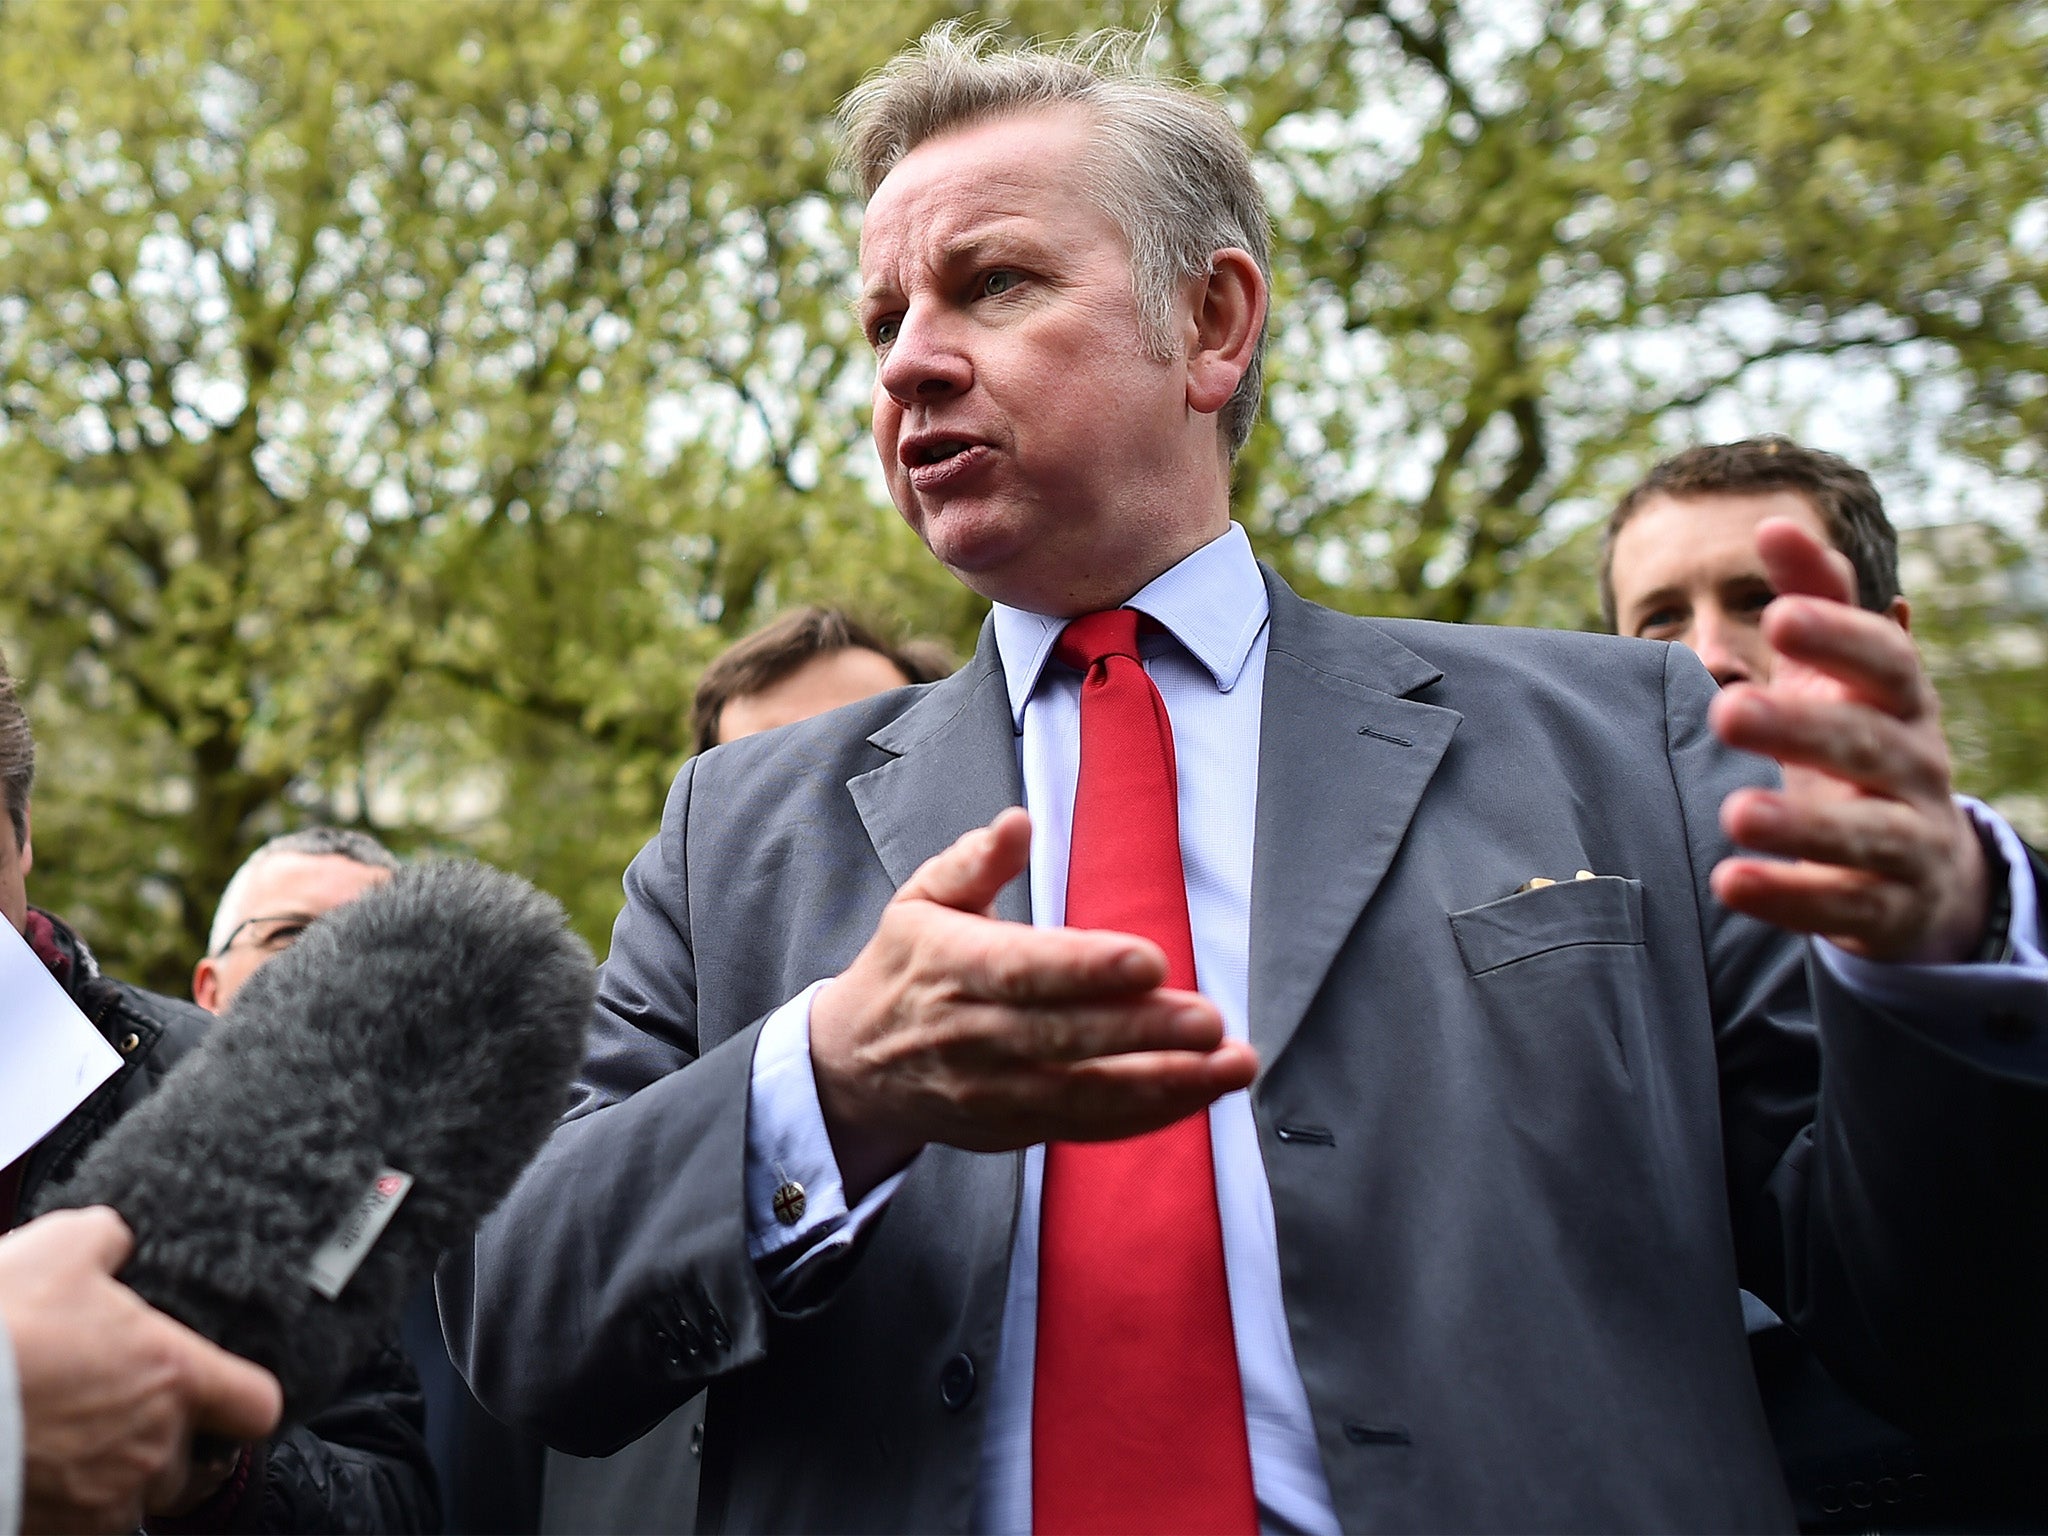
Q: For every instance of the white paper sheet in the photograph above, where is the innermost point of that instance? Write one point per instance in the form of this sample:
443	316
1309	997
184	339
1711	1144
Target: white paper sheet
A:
51	1058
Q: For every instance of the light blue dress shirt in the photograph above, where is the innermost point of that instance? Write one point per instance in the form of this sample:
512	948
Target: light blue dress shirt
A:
1211	673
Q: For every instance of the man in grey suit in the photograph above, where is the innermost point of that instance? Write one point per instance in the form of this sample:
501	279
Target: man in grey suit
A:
1512	1070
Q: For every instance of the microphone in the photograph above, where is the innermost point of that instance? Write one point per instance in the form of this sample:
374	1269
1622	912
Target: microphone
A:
369	1096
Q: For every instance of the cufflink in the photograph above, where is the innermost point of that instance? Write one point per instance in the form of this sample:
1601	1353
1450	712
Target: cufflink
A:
788	1203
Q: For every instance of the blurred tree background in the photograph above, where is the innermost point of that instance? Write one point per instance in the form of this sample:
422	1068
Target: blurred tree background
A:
400	403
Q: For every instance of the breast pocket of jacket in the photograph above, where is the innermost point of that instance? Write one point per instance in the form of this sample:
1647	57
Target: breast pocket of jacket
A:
1563	955
1608	909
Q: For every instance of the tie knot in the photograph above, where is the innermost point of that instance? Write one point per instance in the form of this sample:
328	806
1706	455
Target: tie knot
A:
1096	636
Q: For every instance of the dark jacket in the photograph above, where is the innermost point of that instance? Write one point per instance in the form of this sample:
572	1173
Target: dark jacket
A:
1850	1470
358	1465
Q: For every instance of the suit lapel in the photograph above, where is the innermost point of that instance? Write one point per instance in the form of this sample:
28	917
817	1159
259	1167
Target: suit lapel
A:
1344	759
952	768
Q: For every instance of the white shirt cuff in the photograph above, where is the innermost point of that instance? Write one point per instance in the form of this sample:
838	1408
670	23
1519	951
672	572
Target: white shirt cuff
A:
787	1144
1991	1012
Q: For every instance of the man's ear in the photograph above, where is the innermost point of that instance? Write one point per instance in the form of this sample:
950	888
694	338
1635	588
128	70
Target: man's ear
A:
206	984
1901	613
1226	319
28	842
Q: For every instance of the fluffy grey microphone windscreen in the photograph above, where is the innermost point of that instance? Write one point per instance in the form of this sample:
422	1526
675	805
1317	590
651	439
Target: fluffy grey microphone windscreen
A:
425	1032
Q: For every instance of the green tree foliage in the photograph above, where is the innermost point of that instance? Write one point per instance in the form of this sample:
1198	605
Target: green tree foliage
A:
399	404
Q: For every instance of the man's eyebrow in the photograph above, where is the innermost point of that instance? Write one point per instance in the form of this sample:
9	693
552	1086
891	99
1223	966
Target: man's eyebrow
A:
1650	602
996	237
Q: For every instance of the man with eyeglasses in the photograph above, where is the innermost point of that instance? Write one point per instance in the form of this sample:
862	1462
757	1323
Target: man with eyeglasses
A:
489	1478
279	889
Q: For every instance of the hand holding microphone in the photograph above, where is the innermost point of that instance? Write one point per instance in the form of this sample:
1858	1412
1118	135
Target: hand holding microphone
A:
111	1389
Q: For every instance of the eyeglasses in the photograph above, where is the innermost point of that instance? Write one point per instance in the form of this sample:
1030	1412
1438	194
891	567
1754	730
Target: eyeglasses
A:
289	926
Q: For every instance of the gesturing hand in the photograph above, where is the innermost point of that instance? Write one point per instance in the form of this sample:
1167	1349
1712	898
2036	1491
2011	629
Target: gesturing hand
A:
952	1026
1884	862
111	1389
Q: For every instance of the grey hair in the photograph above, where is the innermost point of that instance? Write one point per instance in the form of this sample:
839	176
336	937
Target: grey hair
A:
1174	176
312	842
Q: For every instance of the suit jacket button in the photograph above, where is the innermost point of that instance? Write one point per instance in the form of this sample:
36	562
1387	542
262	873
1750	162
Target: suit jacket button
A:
956	1382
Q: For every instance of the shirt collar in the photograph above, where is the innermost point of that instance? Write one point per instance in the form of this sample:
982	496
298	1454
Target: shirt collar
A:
1214	603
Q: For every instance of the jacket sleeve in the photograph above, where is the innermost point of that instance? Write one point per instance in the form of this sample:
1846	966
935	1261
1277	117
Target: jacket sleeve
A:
614	1281
1894	1217
358	1465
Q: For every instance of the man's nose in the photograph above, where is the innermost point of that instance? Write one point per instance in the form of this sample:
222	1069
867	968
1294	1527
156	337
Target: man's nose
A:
926	361
1718	644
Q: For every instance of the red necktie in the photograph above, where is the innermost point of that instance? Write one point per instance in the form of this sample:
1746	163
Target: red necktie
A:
1137	1418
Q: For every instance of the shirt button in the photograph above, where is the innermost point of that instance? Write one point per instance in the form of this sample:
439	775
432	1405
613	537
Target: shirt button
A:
788	1203
956	1382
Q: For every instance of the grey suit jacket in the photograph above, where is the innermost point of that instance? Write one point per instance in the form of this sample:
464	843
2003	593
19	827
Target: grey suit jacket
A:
1522	1147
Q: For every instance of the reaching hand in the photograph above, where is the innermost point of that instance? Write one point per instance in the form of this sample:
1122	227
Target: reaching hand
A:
952	1026
1882	860
111	1389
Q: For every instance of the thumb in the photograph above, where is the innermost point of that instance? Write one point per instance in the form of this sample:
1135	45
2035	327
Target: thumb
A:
1796	562
228	1394
95	1235
968	874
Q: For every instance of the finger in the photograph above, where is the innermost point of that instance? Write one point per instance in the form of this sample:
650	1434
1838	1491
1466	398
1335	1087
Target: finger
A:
1840	738
1866	652
226	1394
1011	963
96	1234
1842	904
1158	1021
1796	561
1106	1099
1879	837
967	875
1116	1096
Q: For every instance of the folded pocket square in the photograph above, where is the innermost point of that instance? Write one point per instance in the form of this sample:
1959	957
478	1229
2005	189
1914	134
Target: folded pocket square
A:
1595	909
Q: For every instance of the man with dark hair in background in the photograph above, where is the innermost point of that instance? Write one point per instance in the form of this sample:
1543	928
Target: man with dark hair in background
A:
359	1465
1678	558
1679	562
801	664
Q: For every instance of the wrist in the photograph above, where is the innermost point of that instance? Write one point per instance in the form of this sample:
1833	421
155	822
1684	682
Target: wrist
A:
862	1143
1976	929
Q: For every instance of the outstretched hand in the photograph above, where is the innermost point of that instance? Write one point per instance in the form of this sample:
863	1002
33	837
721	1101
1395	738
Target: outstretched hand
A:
1872	850
955	1027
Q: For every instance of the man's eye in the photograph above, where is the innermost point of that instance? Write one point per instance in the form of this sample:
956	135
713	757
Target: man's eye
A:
1754	601
1656	619
1002	280
882	332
